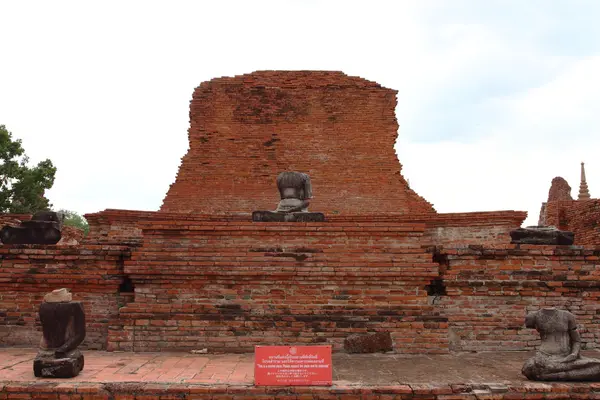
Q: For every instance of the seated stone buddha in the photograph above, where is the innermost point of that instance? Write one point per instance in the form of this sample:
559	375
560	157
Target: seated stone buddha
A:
295	190
558	357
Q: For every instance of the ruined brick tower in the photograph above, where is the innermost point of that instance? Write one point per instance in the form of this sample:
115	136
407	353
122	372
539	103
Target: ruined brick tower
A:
247	129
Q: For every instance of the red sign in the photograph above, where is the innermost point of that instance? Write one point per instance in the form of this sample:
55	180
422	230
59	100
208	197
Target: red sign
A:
292	365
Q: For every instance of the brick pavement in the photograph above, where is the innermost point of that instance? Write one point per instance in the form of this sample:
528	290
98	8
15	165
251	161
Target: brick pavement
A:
163	375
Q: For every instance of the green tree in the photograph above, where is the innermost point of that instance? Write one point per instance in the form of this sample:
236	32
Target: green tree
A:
75	220
22	187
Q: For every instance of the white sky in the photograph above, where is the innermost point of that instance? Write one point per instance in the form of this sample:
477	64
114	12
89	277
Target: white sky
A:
495	97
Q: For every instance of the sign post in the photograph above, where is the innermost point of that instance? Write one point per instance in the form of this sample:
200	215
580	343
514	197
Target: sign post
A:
292	366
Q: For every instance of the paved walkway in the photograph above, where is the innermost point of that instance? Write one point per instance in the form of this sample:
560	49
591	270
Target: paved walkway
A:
238	369
167	376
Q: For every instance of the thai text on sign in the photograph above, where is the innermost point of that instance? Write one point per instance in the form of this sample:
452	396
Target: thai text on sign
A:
292	365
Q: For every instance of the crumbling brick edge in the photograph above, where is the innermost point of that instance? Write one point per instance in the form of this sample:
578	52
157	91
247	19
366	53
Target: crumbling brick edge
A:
134	390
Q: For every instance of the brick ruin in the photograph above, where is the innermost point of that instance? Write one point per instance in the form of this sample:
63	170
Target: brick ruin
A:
199	273
581	216
245	130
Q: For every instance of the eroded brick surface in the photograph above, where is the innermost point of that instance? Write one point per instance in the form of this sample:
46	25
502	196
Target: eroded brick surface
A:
124	227
247	129
228	286
579	216
28	272
488	291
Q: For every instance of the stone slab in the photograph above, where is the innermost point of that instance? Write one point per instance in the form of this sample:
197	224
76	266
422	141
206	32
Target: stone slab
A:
541	236
271	216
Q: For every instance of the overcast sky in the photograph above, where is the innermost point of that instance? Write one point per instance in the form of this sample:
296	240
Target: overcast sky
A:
495	97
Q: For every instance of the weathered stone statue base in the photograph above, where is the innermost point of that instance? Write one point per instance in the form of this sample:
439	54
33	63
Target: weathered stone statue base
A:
542	235
272	216
545	368
47	365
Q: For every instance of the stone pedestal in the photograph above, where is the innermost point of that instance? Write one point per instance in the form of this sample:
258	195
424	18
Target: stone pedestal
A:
47	365
272	216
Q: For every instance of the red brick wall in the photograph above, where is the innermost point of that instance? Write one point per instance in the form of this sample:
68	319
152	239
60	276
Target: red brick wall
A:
477	228
115	227
231	285
28	272
579	216
124	226
226	286
247	129
489	291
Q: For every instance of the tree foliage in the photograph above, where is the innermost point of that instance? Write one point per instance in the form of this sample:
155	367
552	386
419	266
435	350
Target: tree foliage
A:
22	187
75	220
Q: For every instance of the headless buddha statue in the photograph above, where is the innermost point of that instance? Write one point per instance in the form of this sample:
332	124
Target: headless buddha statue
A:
558	357
295	191
63	328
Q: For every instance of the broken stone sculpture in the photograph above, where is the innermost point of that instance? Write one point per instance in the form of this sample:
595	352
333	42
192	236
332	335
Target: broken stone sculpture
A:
43	228
63	328
296	191
542	235
558	358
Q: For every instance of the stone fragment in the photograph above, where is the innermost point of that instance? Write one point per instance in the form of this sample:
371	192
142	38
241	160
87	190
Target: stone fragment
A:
63	328
558	358
542	235
58	296
369	343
